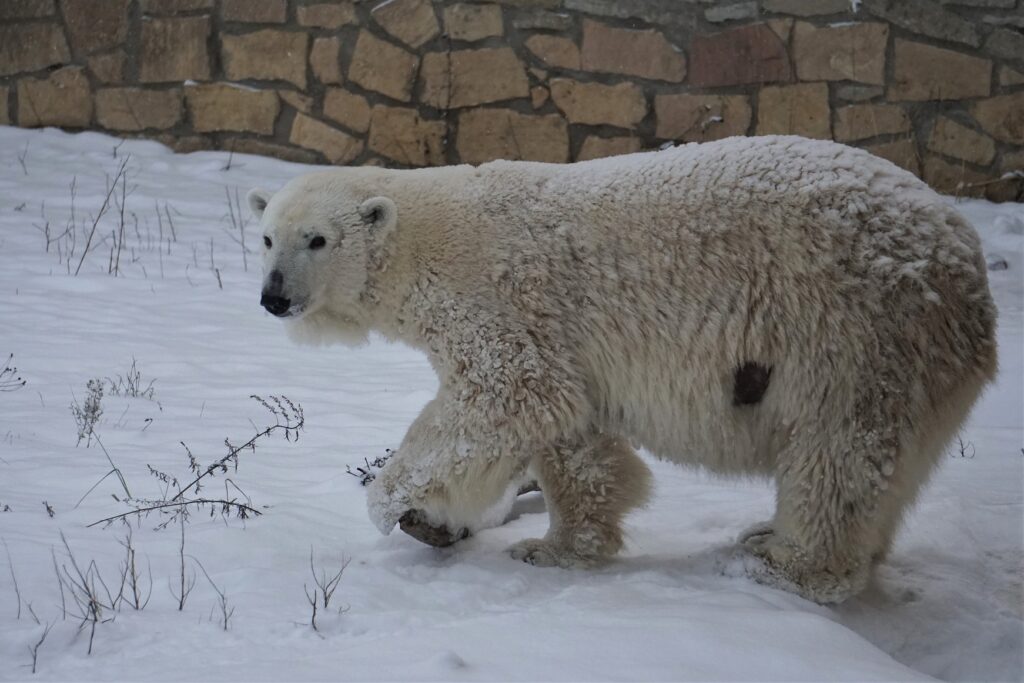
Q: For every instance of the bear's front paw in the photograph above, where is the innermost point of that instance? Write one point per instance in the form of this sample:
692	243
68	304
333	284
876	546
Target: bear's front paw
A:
544	553
757	535
416	525
386	504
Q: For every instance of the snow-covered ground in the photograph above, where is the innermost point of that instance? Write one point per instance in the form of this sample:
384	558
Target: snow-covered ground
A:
947	603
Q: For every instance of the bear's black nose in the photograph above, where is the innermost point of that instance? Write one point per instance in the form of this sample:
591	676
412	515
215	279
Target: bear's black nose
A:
278	305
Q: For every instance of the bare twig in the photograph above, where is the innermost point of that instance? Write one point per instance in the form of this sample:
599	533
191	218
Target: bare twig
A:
14	579
22	155
188	584
60	584
82	586
9	378
324	588
244	511
131	577
103	210
289	418
312	603
326	585
114	470
34	649
222	598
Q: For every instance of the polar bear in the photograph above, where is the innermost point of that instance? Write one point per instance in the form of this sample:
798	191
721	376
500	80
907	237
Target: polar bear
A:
770	306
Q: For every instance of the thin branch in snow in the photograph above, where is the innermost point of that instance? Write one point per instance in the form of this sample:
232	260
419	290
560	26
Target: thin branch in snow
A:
14	579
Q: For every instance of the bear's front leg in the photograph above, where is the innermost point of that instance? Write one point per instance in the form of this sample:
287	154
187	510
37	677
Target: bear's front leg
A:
444	477
589	485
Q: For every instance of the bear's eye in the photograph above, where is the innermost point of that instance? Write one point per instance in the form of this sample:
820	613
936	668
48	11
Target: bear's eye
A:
267	243
317	242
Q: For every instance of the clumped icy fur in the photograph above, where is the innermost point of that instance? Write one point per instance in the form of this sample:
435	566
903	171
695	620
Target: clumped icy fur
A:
571	310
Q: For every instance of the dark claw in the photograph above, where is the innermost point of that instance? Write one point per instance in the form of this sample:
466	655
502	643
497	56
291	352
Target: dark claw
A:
413	523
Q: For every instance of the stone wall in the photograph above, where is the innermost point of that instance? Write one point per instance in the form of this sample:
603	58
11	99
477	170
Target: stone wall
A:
937	86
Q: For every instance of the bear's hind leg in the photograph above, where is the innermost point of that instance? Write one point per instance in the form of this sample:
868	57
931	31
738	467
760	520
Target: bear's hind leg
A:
589	485
833	513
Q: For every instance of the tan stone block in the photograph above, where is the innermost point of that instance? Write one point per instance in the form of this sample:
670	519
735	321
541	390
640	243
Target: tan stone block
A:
539	96
348	109
806	8
1012	161
783	28
953	178
858	93
721	12
466	78
622	105
699	118
1009	76
641	53
748	54
174	50
1002	117
849	52
31	46
555	51
135	109
267	55
860	121
411	21
95	25
464	21
595	147
254	11
794	110
184	144
401	135
548	4
488	134
108	68
541	19
5	97
324	59
338	147
960	142
1007	43
382	67
326	14
61	99
272	149
903	153
926	18
226	107
174	6
924	72
26	9
296	101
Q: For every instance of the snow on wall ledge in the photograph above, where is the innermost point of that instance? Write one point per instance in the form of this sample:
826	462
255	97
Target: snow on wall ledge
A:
935	86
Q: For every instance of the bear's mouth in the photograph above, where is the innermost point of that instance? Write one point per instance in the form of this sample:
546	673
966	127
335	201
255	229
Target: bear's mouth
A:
294	311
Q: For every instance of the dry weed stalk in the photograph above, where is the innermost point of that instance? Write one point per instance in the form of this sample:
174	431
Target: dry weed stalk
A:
288	419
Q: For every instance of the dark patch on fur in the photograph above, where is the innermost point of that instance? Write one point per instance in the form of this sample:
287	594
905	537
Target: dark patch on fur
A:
750	381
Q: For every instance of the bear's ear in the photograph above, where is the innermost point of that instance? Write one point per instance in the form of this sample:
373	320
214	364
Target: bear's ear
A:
257	199
380	215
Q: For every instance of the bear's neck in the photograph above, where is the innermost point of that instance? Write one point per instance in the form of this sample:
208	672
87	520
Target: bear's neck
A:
389	286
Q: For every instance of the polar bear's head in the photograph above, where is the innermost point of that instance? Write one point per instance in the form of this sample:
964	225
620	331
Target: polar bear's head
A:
319	234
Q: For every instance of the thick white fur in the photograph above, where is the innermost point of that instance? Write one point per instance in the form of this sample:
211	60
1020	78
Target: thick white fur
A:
570	308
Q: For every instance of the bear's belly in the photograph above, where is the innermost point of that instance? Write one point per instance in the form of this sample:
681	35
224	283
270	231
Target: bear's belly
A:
691	418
